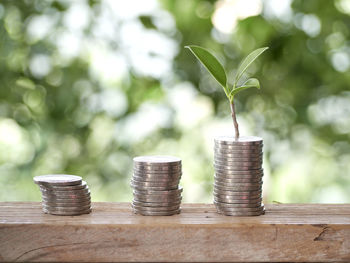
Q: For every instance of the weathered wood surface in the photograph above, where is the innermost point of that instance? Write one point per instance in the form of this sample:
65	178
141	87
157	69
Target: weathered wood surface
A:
112	233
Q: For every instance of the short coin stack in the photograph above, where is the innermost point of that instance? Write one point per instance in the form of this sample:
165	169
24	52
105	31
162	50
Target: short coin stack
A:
65	195
156	185
238	176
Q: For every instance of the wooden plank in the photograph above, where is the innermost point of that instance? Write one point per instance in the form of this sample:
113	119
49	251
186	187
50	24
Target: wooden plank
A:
112	233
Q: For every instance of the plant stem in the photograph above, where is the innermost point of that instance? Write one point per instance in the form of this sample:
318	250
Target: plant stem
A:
233	114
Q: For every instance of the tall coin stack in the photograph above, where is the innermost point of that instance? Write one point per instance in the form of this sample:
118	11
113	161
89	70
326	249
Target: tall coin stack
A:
65	195
156	185
238	176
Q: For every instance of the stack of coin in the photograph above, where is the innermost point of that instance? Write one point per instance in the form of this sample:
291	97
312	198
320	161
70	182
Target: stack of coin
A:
64	194
156	185
238	176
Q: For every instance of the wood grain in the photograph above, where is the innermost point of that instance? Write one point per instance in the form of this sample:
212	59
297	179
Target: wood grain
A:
112	233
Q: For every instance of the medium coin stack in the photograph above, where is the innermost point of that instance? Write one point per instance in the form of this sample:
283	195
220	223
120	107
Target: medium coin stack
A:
65	195
156	185
238	176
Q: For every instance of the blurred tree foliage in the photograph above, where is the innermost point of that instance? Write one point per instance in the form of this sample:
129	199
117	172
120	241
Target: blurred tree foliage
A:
86	85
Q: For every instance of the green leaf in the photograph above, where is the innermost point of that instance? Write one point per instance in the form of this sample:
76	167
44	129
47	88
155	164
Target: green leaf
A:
250	83
211	64
247	62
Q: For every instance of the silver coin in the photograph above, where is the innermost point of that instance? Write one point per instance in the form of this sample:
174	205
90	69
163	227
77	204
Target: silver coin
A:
148	177
237	188
156	199
67	208
240	209
232	194
153	184
171	195
240	140
248	193
237	181
155	209
238	162
162	180
58	179
153	188
238	201
238	205
157	172
247	173
160	213
218	146
157	159
157	167
234	161
237	151
232	165
235	168
156	204
68	195
150	169
66	204
70	213
75	199
230	198
164	192
226	180
79	199
231	213
230	184
252	158
83	185
65	192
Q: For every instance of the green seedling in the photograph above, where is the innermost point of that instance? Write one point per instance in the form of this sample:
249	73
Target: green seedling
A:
214	67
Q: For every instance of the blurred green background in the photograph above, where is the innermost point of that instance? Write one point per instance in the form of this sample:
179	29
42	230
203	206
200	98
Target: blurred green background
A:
87	85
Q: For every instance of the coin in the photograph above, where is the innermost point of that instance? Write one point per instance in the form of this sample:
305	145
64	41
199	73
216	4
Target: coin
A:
75	199
240	209
225	147
150	199
83	191
248	152
238	201
237	188
65	213
65	196
164	192
153	188
154	184
239	193
67	208
156	213
150	208
153	168
220	204
236	197
156	178
156	204
222	179
156	173
230	213
68	204
58	179
251	158
83	185
235	168
157	159
245	173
